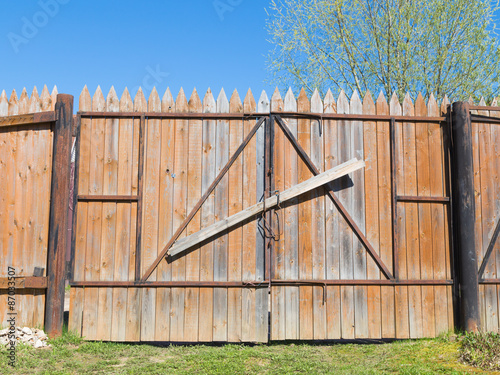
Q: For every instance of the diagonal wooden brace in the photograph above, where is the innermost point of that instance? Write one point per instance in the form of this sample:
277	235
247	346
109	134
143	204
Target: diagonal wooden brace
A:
229	222
303	155
198	205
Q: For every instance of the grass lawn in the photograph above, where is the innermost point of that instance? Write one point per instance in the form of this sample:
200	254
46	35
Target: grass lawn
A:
71	355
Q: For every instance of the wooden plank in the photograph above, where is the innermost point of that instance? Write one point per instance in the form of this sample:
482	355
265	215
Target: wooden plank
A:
18	229
439	241
318	225
495	142
400	253
235	237
332	260
345	233
207	217
371	195
411	222
28	261
261	295
5	168
123	217
134	295
278	292
425	219
384	183
221	210
94	220
194	193
250	228
77	294
165	225
486	160
476	136
179	213
358	214
305	226
46	104
27	118
291	228
108	231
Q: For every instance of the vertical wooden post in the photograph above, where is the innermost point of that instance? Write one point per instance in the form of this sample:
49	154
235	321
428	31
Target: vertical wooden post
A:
58	223
464	216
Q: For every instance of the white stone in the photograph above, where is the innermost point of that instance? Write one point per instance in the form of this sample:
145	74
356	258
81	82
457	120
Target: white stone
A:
38	344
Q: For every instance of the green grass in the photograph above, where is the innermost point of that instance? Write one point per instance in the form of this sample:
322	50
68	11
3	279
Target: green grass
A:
481	350
71	355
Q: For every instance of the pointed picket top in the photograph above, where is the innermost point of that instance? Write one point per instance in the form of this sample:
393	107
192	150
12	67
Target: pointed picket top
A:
470	101
444	105
222	102
249	103
24	102
4	104
494	103
381	104
85	103
356	107
235	105
112	101
209	102
482	102
303	104
167	102
35	102
368	104
126	104
420	107
342	103
154	102
290	101
46	99
432	106
194	103
410	108
263	103
13	104
394	105
53	95
316	102
140	104
276	101
181	103
98	101
329	104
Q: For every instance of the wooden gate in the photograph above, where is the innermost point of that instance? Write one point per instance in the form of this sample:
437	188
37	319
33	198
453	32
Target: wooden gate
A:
366	257
146	176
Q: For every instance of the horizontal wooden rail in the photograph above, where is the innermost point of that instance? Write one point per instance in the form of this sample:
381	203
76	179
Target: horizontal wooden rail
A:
489	281
246	116
422	199
108	198
28	119
247	284
29	282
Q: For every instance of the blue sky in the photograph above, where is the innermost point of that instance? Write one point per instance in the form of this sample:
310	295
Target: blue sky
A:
190	43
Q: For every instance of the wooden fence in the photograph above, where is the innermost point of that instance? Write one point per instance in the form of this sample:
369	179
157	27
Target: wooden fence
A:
34	151
370	255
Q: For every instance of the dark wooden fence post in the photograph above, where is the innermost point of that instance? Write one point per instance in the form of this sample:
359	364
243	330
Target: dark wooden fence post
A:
58	223
464	216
